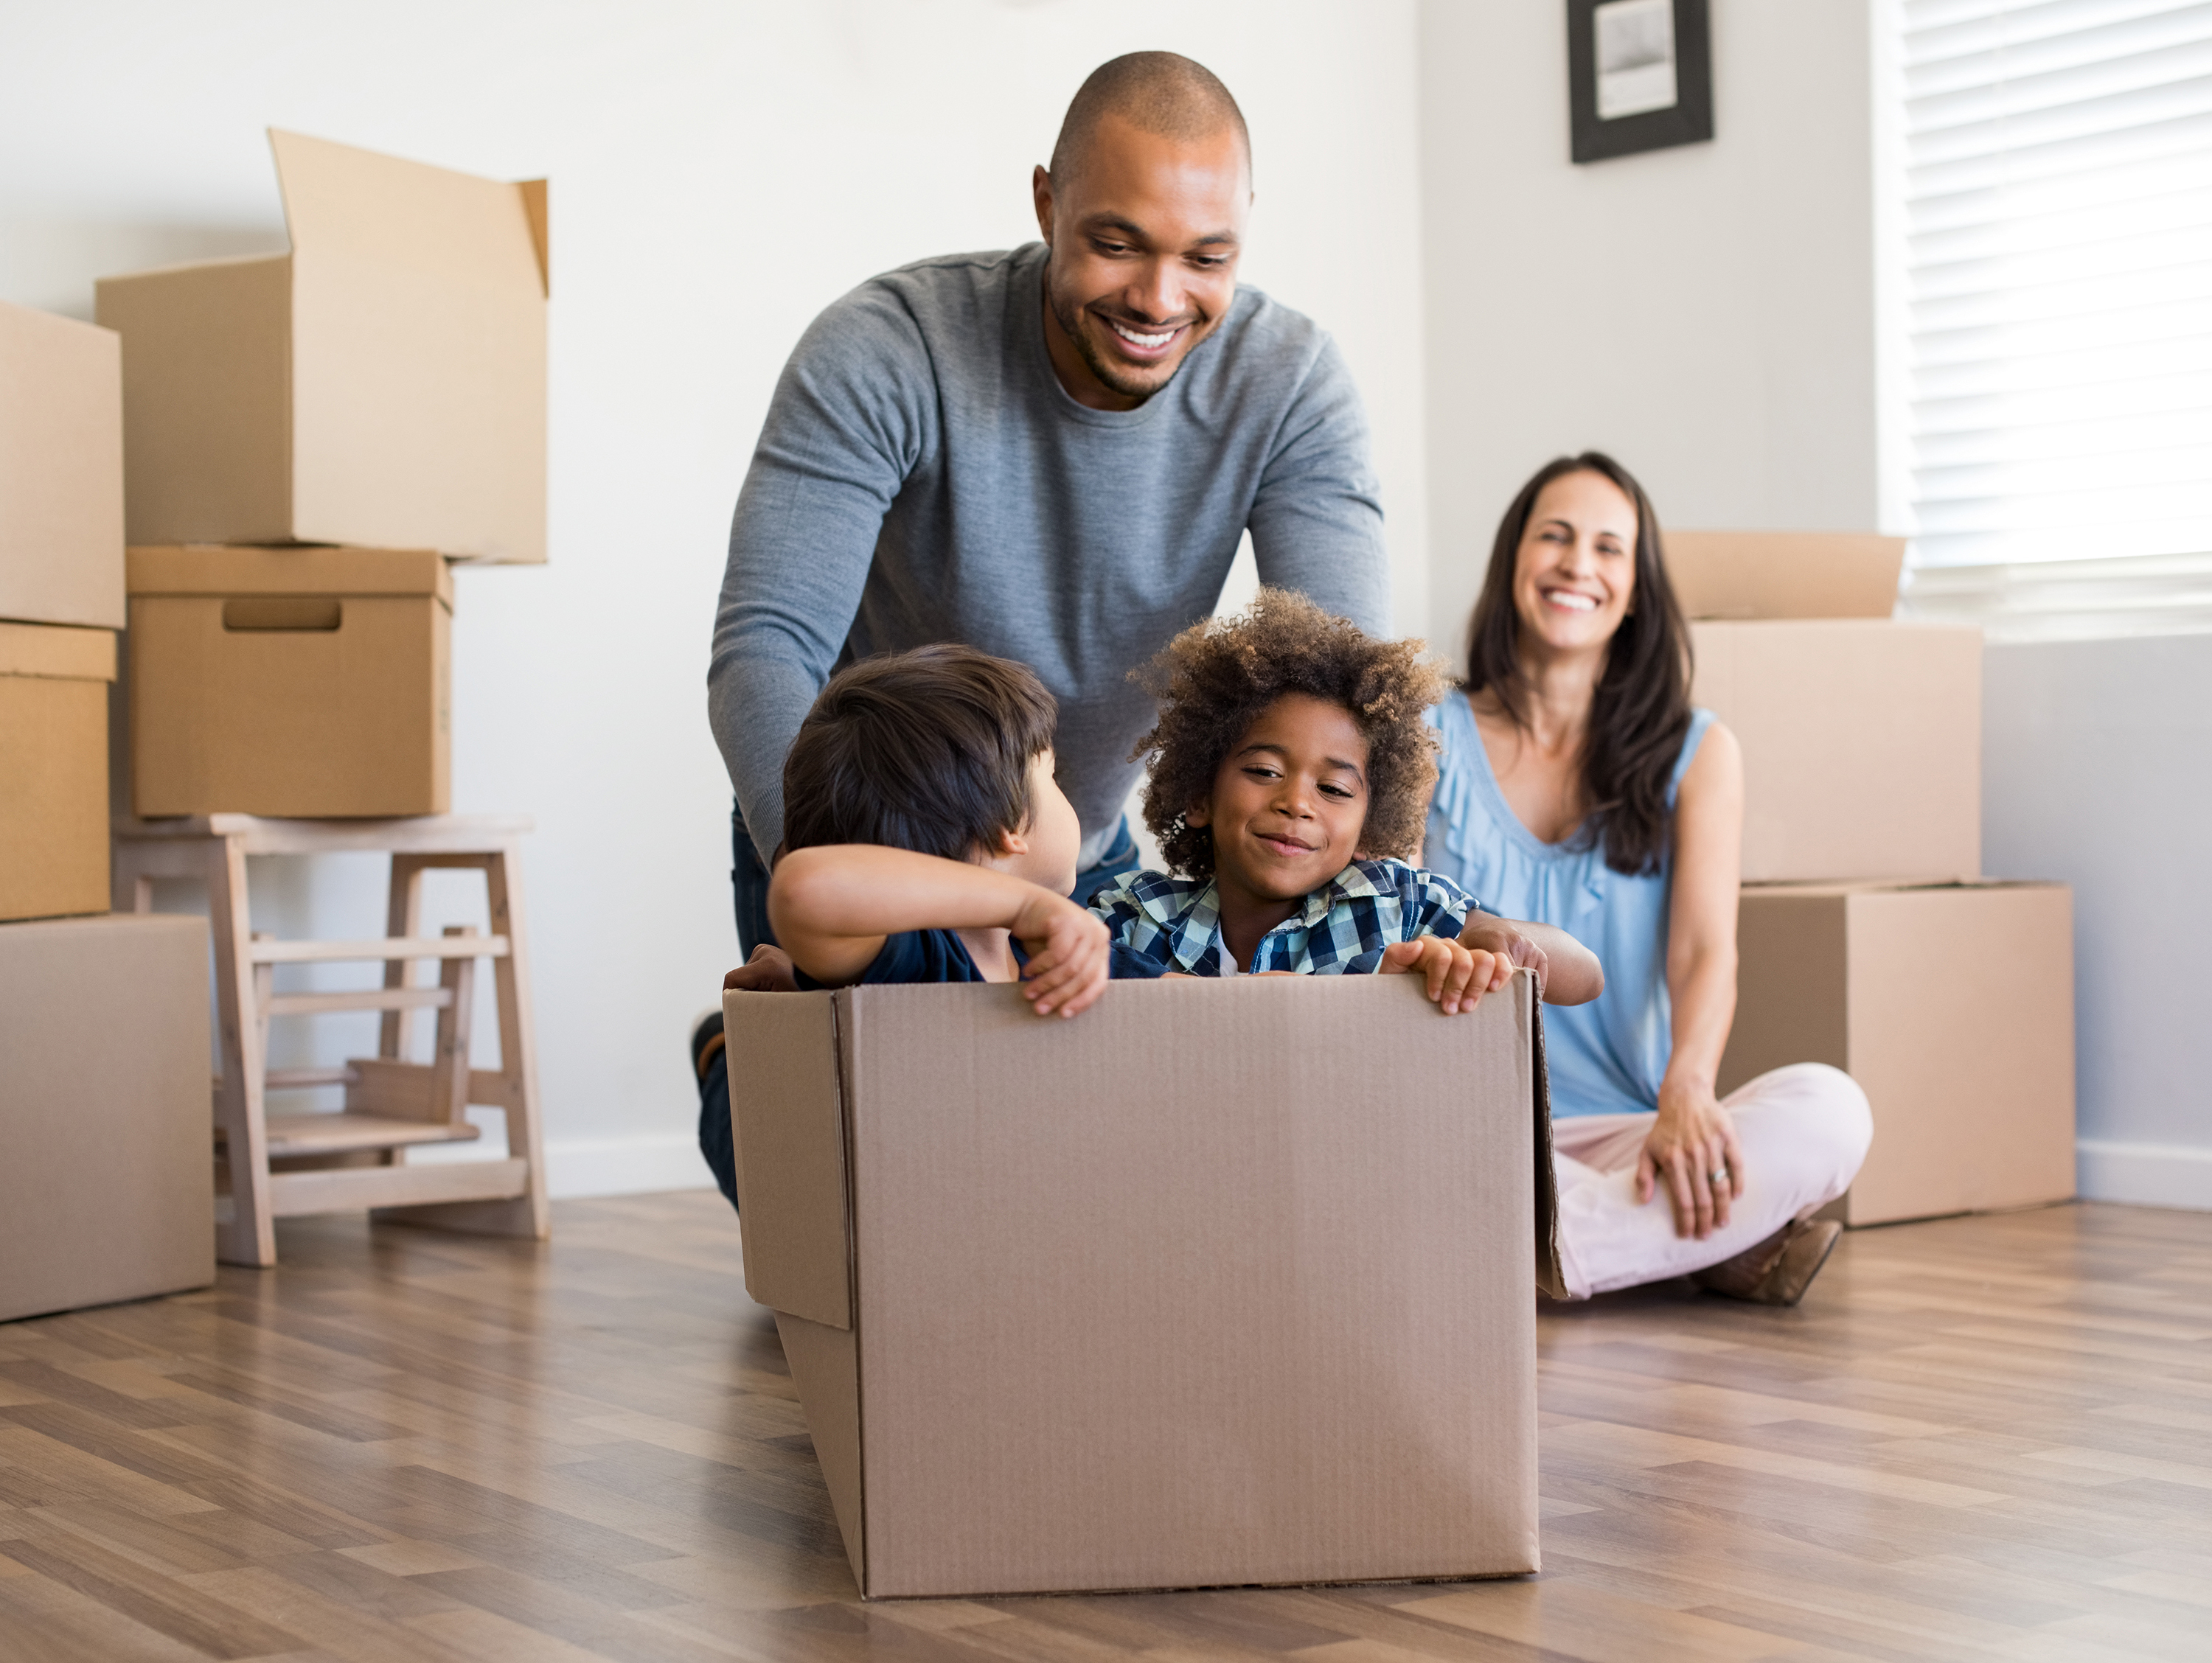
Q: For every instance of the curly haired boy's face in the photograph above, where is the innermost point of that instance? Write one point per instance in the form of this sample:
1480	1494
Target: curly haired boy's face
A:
1289	801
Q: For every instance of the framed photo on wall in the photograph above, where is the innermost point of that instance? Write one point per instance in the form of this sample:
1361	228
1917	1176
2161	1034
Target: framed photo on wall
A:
1639	73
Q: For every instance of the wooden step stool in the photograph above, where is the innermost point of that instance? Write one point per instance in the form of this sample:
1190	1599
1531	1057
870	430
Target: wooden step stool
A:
391	1105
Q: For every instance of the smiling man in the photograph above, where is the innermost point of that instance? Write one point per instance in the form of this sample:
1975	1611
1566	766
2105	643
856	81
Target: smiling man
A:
1050	454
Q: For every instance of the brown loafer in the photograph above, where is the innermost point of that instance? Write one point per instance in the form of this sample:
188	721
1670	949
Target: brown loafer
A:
1779	1269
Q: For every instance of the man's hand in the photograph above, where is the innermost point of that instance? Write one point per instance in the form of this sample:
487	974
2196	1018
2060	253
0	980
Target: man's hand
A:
1509	943
1457	978
768	971
1069	950
1693	1149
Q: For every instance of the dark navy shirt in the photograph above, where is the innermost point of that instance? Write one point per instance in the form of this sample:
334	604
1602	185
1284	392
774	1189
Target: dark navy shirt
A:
941	955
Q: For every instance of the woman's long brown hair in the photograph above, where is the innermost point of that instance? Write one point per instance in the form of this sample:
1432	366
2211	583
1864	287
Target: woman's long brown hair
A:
1642	709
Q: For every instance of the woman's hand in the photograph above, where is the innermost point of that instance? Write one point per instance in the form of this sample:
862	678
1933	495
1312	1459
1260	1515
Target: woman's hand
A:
1070	952
1692	1151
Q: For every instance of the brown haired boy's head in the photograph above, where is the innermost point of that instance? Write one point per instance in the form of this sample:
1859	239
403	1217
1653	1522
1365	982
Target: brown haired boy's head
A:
1288	742
931	750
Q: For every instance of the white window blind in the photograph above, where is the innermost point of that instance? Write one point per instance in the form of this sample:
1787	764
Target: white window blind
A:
2058	215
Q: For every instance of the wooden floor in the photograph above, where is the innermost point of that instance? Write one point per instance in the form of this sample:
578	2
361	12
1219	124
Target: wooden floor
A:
1981	1438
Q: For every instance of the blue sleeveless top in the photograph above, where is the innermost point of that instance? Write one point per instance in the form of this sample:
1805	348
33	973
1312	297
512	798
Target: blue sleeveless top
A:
1607	1057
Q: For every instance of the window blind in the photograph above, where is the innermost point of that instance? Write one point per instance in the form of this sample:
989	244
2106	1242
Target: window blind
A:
2058	242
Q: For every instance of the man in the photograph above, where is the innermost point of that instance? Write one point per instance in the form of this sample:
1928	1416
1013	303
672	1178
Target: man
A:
1049	454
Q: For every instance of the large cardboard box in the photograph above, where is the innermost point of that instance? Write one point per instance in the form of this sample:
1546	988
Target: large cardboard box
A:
106	1189
1861	739
307	682
1952	1005
1220	1282
61	470
383	383
53	770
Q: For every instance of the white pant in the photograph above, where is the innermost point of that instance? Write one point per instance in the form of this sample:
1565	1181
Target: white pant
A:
1804	1129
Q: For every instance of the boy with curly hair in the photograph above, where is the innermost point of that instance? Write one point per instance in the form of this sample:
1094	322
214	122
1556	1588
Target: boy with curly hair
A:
1289	780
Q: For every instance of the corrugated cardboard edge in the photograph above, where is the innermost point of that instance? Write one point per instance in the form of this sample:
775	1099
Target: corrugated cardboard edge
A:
1549	1278
825	1370
788	1130
535	209
60	651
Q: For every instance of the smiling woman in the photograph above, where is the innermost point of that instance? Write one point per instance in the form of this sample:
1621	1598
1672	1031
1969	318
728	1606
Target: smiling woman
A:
1579	788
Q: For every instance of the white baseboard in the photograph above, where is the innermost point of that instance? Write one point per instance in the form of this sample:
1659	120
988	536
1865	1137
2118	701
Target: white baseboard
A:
625	1166
2145	1174
588	1166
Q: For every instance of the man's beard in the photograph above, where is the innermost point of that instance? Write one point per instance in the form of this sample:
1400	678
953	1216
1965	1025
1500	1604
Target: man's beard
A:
1115	377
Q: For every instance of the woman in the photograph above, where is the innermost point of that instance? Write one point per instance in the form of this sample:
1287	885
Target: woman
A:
1579	788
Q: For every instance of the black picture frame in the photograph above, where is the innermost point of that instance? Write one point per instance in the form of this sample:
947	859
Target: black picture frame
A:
1689	120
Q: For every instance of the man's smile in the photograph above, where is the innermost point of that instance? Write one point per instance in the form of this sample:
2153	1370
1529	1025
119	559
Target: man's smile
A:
1144	345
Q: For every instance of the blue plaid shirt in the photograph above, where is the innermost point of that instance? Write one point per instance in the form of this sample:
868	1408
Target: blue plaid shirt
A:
1340	929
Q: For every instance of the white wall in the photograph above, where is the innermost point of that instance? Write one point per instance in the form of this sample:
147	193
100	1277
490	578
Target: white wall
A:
1705	314
721	171
2097	769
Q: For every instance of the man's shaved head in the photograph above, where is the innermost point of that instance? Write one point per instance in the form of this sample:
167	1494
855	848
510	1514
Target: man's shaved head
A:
1159	93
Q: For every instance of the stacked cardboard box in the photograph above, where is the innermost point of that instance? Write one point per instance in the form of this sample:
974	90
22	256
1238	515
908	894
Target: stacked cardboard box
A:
1868	938
61	601
311	436
104	1191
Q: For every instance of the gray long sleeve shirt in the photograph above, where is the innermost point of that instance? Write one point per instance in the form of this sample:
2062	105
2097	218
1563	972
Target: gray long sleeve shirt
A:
923	476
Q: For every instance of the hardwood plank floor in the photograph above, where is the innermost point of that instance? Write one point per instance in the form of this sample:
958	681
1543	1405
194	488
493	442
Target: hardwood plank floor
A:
1978	1438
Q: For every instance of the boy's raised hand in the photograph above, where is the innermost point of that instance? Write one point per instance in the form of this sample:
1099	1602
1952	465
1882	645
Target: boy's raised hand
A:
1457	977
1069	950
768	971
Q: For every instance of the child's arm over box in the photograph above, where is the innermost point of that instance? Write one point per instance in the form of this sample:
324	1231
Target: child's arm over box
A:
832	907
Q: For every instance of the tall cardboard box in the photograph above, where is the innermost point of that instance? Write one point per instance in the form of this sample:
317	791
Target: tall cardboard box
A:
382	385
1861	737
1952	1005
1256	1309
106	1189
61	470
53	770
307	682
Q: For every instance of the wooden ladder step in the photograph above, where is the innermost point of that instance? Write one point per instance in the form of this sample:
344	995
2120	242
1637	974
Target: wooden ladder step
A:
366	999
347	1189
384	947
334	1134
298	1079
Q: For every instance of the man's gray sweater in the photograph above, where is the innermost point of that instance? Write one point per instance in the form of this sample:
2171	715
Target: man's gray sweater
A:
923	476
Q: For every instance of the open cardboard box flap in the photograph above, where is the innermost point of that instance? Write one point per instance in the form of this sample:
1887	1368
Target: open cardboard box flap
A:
1784	574
1222	1282
382	384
